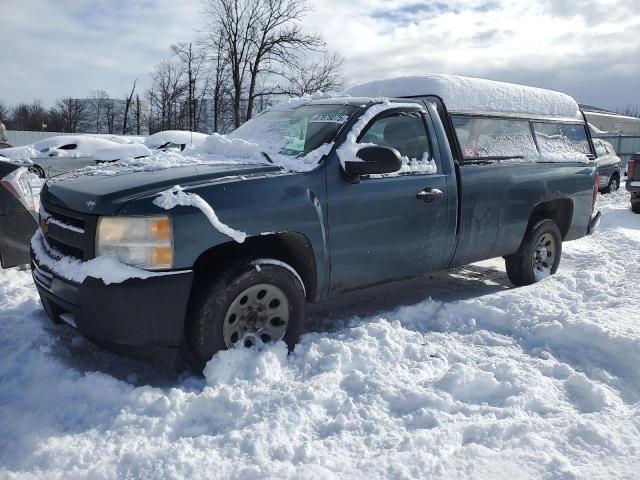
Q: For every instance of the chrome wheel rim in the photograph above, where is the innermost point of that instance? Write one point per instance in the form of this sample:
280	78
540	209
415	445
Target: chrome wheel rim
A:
544	256
613	186
259	314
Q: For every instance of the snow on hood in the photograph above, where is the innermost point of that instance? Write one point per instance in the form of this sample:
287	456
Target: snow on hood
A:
179	137
465	94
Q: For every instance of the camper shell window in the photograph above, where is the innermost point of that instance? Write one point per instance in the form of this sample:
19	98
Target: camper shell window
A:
487	138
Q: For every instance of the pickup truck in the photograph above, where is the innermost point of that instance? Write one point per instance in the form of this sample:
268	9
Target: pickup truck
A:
346	193
633	181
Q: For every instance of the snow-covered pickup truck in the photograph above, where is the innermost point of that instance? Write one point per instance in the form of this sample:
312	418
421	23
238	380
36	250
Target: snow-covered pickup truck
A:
309	199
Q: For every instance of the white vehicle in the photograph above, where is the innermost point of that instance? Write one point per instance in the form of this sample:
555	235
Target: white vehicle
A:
55	155
174	140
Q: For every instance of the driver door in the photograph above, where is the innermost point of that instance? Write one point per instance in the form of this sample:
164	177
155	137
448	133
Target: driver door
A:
382	228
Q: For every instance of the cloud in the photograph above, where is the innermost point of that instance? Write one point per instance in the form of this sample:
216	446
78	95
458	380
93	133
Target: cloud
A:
587	48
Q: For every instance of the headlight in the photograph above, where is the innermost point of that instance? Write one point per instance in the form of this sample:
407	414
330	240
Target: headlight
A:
144	242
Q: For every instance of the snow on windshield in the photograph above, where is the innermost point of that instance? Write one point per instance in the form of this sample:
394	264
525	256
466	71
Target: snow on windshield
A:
291	135
464	94
293	138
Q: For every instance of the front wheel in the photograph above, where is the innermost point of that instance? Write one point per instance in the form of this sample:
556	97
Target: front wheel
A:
251	303
538	255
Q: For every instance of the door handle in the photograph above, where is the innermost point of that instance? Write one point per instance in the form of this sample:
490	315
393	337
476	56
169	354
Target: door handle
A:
428	195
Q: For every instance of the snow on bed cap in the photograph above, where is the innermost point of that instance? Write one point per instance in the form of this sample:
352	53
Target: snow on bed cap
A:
179	137
466	94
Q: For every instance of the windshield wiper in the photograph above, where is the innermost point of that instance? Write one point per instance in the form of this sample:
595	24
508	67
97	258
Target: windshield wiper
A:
266	155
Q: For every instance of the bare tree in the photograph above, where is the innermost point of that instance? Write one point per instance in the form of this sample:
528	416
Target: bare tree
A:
629	111
139	116
164	95
257	36
321	75
214	44
4	113
111	114
98	101
26	116
127	105
74	114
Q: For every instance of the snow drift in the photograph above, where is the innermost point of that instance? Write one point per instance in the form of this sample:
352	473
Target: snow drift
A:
481	380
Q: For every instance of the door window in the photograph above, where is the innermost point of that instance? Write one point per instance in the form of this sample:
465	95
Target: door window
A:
406	132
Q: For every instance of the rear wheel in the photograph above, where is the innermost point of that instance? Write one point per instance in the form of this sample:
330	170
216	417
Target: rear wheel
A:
613	185
538	255
246	305
635	206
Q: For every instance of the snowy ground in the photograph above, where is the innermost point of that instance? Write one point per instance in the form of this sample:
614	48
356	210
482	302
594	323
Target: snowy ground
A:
481	380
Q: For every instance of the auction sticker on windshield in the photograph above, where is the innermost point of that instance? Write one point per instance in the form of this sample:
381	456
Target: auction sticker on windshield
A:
329	118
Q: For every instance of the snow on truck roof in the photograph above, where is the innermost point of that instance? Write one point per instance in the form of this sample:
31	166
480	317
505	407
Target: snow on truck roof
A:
467	95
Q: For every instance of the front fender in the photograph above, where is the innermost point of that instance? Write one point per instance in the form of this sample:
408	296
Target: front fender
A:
256	206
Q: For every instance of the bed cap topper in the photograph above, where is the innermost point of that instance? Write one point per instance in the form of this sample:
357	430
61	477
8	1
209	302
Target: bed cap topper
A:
467	95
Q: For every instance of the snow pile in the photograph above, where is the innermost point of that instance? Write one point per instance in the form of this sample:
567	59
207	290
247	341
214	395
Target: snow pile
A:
178	137
177	196
347	152
465	94
22	155
105	268
226	147
119	151
481	381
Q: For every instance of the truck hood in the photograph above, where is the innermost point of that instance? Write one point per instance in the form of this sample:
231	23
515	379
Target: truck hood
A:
106	194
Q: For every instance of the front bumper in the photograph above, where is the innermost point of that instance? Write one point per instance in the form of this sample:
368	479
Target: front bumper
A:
144	313
594	222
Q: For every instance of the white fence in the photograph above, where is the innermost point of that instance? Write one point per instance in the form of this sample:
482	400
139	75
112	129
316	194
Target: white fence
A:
19	138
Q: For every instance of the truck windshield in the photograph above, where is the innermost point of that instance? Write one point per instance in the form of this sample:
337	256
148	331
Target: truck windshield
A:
295	132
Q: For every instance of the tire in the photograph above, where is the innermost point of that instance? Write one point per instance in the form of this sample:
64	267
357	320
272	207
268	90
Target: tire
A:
538	256
613	185
217	312
635	207
37	170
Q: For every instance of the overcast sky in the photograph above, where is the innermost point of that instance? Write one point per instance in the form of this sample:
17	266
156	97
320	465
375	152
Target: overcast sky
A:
587	48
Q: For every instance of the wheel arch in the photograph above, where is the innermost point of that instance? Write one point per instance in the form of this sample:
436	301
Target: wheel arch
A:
560	210
293	248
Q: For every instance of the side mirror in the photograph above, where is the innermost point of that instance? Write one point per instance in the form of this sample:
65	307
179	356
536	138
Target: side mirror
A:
375	160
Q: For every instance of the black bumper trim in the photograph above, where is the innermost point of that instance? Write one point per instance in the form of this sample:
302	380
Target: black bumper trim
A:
135	313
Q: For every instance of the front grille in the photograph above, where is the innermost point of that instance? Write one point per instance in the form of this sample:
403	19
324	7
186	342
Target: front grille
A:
64	249
70	233
62	219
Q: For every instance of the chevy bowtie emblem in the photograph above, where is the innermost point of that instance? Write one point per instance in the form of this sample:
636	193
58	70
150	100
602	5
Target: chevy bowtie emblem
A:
44	226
